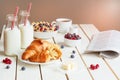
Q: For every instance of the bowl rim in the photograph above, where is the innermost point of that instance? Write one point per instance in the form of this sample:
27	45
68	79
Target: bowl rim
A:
72	39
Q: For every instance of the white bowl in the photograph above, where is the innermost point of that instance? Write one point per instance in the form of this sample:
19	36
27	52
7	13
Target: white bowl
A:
44	35
71	43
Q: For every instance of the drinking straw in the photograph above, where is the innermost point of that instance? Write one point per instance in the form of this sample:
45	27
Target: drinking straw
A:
28	11
15	15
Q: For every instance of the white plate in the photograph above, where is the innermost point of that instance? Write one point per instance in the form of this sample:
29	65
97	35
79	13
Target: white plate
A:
44	35
35	63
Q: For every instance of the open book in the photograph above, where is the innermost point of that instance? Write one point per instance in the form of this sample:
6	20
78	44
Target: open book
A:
107	43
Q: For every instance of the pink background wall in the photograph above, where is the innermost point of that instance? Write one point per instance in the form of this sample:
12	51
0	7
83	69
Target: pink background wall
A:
104	14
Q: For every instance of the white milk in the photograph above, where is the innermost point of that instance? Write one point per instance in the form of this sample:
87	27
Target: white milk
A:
12	43
26	35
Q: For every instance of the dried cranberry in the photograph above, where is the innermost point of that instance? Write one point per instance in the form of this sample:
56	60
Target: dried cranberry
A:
41	29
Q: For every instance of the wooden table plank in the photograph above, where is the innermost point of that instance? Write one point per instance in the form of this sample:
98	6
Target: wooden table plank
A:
112	63
90	30
31	72
79	65
102	71
52	71
10	73
84	41
109	68
81	72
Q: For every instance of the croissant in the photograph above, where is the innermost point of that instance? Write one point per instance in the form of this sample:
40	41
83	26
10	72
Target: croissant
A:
41	51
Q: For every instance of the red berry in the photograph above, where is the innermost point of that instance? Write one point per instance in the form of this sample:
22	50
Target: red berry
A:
93	67
4	60
7	61
97	66
71	36
41	29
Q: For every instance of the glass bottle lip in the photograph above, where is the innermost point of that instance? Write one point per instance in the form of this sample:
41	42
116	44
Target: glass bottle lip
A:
11	17
24	13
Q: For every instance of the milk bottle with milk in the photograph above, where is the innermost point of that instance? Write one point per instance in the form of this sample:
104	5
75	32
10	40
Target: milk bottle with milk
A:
26	29
12	43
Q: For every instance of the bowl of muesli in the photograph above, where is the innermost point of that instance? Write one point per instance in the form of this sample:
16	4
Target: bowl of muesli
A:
44	29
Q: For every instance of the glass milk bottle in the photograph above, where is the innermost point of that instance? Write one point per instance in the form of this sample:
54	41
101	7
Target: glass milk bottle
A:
12	43
26	29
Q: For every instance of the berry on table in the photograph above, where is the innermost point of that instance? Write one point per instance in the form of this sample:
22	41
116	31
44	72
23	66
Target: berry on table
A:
23	68
97	66
62	46
73	51
7	67
7	61
93	67
72	56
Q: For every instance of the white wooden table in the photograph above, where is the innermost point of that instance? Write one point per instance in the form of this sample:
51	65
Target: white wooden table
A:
109	68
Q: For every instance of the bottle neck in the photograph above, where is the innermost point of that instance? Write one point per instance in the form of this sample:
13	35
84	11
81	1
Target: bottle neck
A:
10	24
24	18
12	21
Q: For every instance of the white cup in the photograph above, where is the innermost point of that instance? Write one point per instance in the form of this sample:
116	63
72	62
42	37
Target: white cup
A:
64	24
